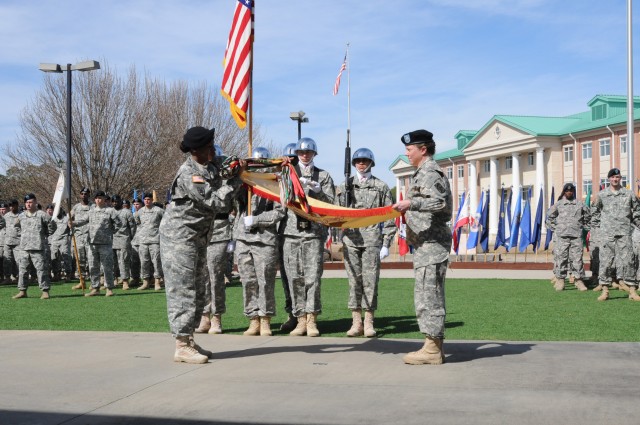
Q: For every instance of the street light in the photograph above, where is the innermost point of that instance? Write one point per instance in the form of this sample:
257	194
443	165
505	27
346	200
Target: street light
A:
299	116
80	66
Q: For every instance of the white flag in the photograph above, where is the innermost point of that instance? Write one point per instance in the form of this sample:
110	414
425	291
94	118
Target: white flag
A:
59	195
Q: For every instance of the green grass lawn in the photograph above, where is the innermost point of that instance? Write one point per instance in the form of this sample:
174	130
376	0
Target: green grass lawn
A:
484	309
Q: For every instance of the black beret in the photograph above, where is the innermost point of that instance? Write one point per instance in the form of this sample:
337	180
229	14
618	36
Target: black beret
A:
138	200
116	198
29	196
148	195
568	186
50	207
417	137
4	205
85	190
100	194
14	202
197	137
613	172
126	202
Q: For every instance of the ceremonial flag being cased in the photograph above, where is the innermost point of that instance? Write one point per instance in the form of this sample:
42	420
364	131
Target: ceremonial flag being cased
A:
60	194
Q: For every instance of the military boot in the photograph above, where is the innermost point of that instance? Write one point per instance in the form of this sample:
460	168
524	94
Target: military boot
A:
290	324
356	324
102	283
93	292
109	292
605	293
125	284
369	330
145	284
45	295
186	353
622	285
254	327
633	295
312	325
580	286
78	286
21	294
430	353
598	288
158	285
216	324
265	326
301	327
199	349
205	324
559	286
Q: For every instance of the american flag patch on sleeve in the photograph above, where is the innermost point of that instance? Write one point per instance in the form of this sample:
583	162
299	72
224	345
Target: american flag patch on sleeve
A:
197	179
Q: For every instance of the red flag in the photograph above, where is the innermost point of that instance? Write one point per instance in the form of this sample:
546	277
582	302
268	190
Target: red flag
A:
237	62
329	241
336	85
401	224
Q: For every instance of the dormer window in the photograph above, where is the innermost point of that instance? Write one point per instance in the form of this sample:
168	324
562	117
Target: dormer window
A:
598	112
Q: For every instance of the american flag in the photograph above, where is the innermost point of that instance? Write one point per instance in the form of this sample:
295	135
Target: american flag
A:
237	62
336	85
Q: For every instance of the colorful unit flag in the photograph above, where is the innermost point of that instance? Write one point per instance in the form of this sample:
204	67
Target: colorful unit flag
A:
59	195
401	224
237	62
461	221
475	225
547	239
525	225
500	239
536	236
336	85
515	221
484	223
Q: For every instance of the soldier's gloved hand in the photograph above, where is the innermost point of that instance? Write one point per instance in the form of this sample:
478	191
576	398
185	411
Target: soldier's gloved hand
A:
314	186
248	222
384	252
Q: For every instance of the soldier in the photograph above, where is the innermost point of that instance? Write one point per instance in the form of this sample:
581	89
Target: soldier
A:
568	218
60	250
148	222
364	247
103	221
11	243
79	221
614	214
124	232
196	193
4	280
256	236
35	227
303	245
135	248
428	209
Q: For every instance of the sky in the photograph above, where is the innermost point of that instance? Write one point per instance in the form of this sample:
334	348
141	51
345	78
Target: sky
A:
441	65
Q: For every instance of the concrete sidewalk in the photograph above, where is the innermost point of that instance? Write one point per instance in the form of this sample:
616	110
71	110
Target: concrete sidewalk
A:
130	378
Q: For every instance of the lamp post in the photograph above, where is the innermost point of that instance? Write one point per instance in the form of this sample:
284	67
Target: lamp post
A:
299	116
80	66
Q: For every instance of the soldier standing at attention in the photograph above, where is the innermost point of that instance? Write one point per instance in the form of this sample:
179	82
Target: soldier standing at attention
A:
3	210
365	247
80	223
303	245
102	224
11	242
148	223
567	218
184	238
427	209
35	226
124	232
614	214
135	248
59	241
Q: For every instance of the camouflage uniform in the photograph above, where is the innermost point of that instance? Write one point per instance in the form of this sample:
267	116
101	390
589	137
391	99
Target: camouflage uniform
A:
135	257
80	219
60	250
567	219
2	233
124	232
101	226
614	214
362	245
428	232
196	193
35	228
217	263
11	245
257	256
148	223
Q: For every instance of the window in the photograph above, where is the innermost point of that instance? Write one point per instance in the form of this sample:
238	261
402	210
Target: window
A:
524	193
530	159
604	182
623	145
460	199
460	171
487	165
605	148
568	154
449	173
624	181
586	150
586	186
508	163
598	112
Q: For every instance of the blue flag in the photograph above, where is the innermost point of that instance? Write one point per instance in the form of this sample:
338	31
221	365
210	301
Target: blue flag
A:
484	222
547	240
515	222
537	225
473	234
525	225
508	210
500	234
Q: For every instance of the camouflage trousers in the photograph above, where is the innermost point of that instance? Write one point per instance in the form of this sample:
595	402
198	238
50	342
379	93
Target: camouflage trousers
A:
185	277
363	269
150	259
257	264
594	266
616	259
216	290
123	262
135	262
36	259
303	264
567	257
61	259
101	257
428	297
83	253
10	260
283	278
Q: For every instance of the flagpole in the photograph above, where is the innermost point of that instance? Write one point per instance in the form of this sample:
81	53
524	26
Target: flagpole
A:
249	189
347	149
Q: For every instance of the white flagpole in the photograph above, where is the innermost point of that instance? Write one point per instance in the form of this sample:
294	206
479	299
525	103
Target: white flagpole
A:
630	123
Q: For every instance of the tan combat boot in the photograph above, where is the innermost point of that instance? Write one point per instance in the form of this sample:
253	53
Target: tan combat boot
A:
93	292
598	288
78	286
356	324
430	353
290	324
158	285
559	286
265	326
125	284
312	325
145	284
186	353
633	295
21	294
580	286
301	327
216	324
45	295
605	293
205	324
622	285
254	327
199	349
369	330
109	293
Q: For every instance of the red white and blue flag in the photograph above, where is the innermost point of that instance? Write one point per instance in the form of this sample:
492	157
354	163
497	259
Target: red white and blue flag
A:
336	85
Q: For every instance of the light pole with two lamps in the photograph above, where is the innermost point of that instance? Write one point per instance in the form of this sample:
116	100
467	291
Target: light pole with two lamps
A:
299	116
